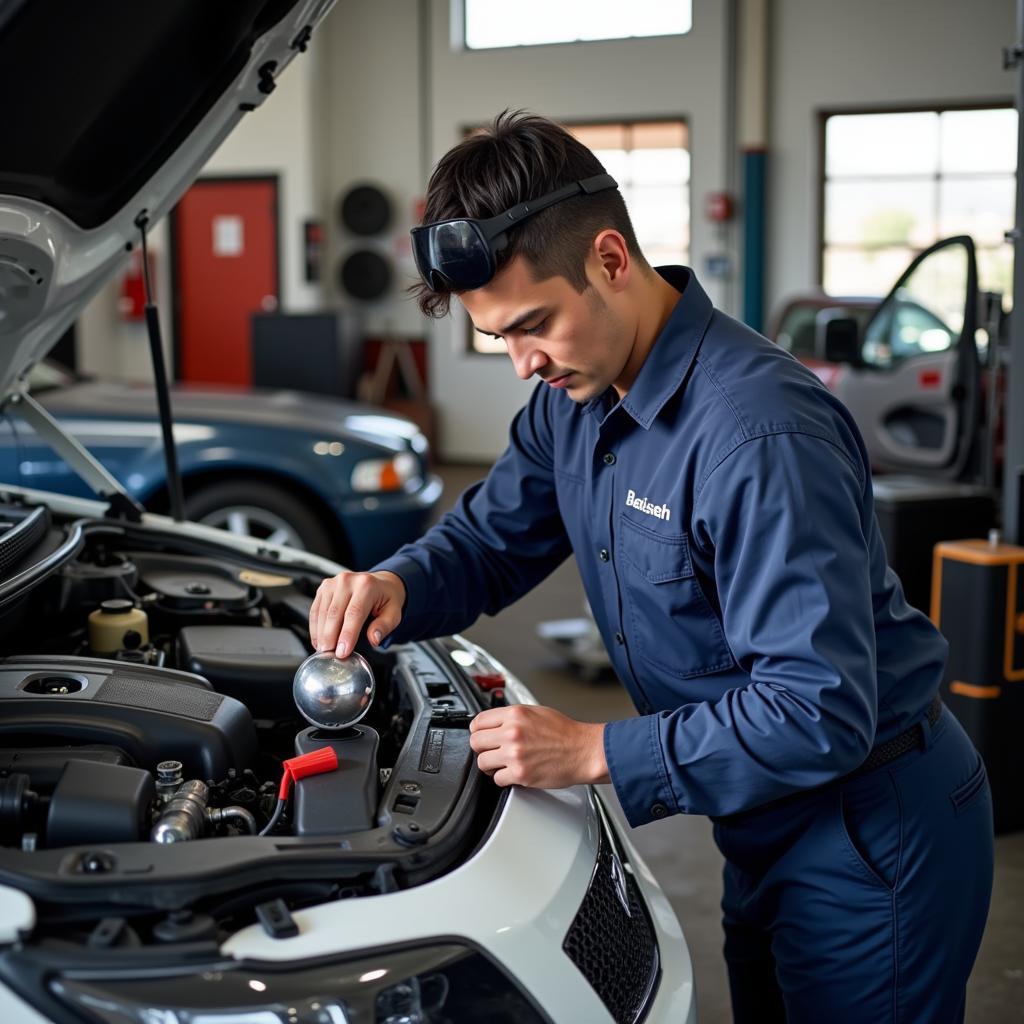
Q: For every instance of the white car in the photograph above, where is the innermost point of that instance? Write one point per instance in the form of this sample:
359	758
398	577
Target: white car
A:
146	668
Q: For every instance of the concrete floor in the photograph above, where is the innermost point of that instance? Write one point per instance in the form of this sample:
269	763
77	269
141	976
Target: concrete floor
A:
680	850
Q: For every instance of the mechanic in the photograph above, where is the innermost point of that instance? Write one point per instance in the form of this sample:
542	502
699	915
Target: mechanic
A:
718	501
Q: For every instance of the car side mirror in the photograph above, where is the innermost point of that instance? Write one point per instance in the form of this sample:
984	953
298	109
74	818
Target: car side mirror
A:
842	340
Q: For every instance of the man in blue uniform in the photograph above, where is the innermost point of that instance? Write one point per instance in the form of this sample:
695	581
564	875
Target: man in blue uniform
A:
718	501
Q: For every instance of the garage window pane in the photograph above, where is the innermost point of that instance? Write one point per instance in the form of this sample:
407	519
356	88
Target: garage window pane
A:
615	161
881	144
995	270
493	23
659	217
863	272
651	163
977	205
896	183
659	166
979	140
602	136
660	135
878	213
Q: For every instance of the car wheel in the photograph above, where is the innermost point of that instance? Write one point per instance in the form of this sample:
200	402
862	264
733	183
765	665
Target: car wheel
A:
257	509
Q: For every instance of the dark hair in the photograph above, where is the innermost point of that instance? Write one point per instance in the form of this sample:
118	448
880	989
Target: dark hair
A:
521	156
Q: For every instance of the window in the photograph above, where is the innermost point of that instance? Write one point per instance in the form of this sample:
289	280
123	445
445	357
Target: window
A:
493	23
925	314
651	162
894	183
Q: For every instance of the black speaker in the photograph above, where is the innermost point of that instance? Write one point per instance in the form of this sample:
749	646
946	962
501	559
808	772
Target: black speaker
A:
365	210
365	274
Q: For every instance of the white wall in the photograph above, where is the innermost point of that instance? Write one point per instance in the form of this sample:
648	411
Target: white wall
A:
369	130
108	346
278	138
830	54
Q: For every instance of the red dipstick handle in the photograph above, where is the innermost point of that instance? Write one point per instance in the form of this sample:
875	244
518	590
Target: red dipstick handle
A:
488	680
325	759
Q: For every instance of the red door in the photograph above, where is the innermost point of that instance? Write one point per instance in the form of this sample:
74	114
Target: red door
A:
225	264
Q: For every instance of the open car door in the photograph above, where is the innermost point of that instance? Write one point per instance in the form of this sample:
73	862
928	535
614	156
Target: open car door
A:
913	386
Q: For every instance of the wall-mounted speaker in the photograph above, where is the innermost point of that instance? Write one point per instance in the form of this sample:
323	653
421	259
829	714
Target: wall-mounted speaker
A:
365	210
365	274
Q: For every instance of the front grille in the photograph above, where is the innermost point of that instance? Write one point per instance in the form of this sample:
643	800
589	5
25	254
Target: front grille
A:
616	952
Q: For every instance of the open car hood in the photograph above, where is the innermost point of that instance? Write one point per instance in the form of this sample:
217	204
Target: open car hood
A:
111	111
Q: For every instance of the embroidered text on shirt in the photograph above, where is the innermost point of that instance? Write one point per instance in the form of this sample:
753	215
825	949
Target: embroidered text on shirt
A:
661	511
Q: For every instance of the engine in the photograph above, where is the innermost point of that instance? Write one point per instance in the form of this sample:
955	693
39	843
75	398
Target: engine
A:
153	704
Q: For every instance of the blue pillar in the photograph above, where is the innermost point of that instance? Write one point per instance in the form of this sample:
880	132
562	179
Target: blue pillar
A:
754	164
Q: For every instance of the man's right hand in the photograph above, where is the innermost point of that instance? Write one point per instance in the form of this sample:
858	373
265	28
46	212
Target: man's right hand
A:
344	602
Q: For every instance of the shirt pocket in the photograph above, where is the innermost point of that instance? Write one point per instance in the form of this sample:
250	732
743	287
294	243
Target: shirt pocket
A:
670	623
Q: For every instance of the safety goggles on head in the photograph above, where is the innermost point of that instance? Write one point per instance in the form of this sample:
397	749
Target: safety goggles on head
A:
461	254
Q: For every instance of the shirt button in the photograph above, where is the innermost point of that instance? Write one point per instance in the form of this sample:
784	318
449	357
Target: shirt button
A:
609	458
619	638
603	554
658	810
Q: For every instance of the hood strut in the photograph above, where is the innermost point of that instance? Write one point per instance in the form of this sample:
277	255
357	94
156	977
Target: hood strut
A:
90	469
163	393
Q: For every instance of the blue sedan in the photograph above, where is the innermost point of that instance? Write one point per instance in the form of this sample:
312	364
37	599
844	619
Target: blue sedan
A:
343	479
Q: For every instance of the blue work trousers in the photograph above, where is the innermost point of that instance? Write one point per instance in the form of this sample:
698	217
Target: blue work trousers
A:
863	901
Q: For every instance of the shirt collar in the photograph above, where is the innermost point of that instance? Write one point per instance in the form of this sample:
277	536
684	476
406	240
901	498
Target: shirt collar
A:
668	363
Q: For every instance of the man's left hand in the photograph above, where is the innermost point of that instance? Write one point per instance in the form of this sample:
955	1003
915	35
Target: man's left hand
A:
527	745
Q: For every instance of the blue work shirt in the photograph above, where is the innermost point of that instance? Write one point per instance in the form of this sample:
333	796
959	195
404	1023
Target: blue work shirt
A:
722	519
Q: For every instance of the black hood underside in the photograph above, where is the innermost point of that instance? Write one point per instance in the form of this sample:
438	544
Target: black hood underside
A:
99	94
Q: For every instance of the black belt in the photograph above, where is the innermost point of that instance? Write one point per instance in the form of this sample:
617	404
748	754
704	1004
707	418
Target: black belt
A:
882	754
898	745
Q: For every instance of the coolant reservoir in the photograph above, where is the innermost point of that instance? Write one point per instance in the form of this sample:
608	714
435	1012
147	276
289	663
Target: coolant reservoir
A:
117	624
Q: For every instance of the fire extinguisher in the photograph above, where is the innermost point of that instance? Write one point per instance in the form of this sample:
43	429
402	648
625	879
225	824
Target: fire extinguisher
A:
131	303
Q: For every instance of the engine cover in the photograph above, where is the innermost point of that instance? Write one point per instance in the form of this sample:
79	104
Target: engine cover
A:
152	714
256	666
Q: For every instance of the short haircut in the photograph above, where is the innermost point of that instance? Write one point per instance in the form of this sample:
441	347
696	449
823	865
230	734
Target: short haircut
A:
522	156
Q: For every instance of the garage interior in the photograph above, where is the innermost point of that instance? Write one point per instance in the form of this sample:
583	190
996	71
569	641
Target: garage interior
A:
801	148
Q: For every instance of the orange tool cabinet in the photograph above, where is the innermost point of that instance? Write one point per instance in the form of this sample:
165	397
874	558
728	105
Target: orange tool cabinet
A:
978	604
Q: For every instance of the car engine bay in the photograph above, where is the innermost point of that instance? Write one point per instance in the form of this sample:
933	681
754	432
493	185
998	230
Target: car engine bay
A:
146	715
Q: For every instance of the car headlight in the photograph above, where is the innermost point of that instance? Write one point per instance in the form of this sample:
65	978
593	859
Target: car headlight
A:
423	985
392	474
